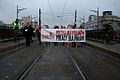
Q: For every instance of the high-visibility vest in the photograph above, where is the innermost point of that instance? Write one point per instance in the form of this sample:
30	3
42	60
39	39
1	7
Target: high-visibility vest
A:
16	26
35	29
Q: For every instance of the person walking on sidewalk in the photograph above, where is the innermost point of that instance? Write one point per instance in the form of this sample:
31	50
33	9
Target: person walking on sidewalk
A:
16	30
109	31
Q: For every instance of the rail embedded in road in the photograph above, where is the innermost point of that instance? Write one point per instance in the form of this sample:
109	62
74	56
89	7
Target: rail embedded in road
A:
84	77
22	75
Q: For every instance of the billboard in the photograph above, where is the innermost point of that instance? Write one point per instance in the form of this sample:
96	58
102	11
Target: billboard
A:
63	35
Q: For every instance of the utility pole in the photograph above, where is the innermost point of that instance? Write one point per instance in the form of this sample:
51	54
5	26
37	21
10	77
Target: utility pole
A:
31	19
18	10
84	22
75	23
97	12
39	17
98	17
40	26
83	19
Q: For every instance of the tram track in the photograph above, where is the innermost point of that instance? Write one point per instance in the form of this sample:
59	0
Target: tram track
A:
28	67
52	59
96	64
71	61
9	52
22	75
78	67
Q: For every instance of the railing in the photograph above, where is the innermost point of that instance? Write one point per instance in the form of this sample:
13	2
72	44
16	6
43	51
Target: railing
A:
7	34
100	35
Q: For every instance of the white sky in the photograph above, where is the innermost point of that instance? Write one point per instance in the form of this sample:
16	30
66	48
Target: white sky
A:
8	9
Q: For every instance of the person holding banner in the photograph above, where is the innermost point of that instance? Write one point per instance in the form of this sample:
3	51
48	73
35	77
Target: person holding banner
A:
82	44
39	34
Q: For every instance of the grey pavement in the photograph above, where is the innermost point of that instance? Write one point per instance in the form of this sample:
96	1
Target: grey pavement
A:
96	64
13	65
115	48
4	46
7	45
55	64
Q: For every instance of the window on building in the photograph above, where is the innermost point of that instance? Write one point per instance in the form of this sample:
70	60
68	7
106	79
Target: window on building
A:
118	24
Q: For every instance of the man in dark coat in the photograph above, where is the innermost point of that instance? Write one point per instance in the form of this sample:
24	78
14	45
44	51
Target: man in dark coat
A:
108	33
27	31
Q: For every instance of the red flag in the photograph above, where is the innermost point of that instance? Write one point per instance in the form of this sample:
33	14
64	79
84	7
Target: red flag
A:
39	29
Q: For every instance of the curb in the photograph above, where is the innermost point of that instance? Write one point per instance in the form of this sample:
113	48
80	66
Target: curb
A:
12	39
11	47
110	52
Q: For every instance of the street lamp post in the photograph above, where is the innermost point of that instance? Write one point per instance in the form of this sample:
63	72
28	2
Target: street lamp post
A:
83	21
18	10
75	23
97	12
60	17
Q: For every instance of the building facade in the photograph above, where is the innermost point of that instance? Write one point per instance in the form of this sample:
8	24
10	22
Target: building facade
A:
106	18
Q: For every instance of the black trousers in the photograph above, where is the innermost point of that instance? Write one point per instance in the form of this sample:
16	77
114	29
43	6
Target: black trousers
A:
27	37
16	35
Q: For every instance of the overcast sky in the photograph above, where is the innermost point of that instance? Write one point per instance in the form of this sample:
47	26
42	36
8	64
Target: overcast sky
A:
51	9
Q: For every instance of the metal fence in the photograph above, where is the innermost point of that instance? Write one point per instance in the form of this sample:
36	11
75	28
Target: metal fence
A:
6	33
100	35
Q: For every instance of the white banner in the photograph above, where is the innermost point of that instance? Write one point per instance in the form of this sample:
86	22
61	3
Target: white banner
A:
63	35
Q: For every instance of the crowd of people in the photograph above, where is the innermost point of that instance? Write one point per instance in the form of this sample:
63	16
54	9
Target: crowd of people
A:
27	31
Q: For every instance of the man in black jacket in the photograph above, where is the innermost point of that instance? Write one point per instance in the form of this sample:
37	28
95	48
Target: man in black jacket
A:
27	31
109	31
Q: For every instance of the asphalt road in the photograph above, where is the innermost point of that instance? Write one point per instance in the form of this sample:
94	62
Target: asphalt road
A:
56	64
96	64
15	63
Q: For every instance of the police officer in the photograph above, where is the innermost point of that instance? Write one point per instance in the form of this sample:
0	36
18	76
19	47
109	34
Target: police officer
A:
16	30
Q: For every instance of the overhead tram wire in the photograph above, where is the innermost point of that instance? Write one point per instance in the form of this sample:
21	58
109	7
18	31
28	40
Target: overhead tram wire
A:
51	9
64	6
65	14
65	3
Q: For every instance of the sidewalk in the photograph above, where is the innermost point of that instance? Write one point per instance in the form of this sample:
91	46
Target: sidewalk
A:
10	45
114	48
7	45
10	39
